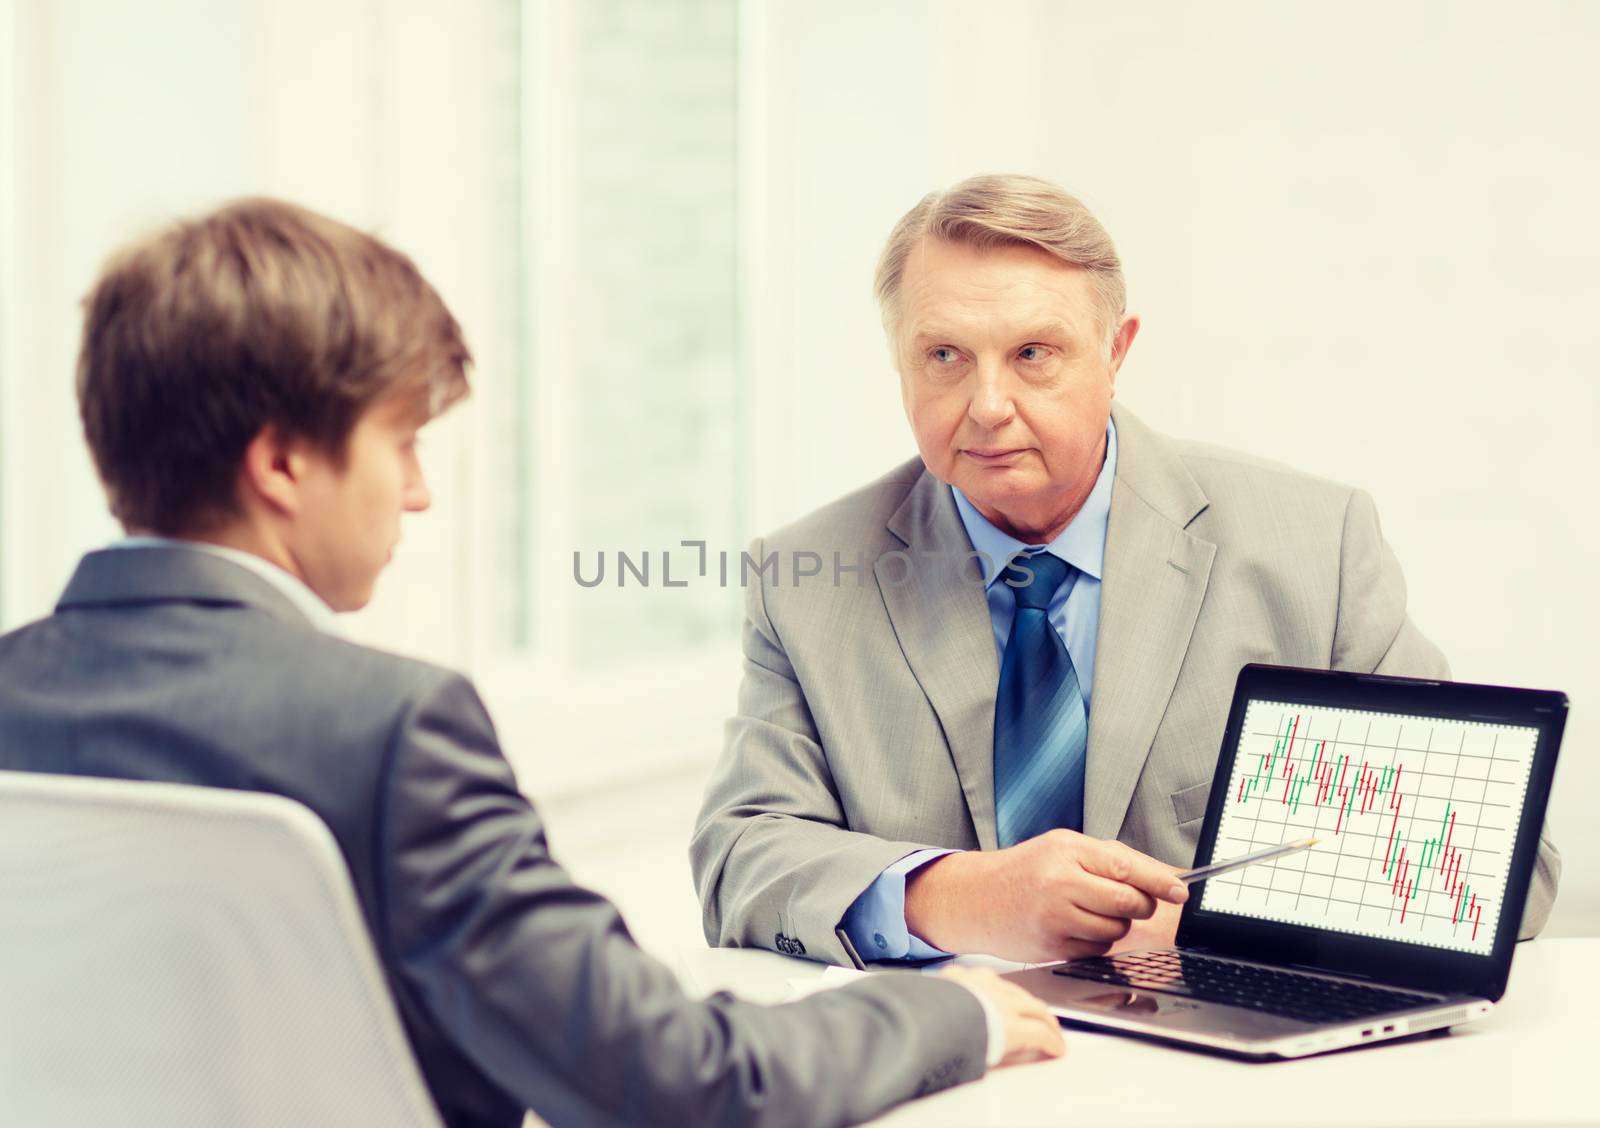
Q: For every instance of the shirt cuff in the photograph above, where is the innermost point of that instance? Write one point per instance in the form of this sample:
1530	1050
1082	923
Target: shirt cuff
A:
876	920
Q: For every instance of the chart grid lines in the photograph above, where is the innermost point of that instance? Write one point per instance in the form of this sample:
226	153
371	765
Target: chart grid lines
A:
1429	806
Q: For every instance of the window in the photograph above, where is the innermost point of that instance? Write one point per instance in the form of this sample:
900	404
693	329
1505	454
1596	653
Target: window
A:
621	439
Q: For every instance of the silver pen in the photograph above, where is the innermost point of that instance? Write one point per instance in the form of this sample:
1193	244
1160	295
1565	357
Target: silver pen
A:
1189	877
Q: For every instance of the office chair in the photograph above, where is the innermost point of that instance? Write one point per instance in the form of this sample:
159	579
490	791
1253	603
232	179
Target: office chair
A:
175	955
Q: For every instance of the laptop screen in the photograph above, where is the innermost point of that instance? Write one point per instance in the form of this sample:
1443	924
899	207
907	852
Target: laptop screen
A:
1417	819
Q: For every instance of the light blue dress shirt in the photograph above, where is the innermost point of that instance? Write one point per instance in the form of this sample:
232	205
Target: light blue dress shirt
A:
876	921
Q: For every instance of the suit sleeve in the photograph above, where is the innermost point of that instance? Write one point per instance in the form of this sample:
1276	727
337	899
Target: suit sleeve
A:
773	860
538	982
1373	633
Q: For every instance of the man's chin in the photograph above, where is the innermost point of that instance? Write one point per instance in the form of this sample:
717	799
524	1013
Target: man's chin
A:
1011	506
344	602
1000	488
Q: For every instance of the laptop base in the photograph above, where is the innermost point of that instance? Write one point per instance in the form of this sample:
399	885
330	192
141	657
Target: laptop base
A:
1231	1030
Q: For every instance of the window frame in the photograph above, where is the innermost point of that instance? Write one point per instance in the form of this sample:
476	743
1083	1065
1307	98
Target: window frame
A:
580	729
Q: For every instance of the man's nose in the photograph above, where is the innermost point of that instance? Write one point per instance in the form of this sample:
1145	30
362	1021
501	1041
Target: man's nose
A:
991	405
417	497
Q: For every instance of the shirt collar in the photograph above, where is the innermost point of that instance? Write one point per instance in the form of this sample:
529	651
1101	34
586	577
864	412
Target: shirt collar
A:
308	602
1082	543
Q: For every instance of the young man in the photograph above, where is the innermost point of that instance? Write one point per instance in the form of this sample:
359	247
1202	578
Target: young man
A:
251	386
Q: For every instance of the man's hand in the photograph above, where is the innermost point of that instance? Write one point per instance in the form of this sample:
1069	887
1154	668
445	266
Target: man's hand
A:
1032	1032
1055	897
1157	932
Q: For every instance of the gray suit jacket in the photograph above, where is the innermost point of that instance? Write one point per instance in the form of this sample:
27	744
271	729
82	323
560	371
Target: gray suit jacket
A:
518	989
865	725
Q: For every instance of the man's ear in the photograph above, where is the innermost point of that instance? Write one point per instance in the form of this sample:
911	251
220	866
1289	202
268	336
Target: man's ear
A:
1122	342
272	472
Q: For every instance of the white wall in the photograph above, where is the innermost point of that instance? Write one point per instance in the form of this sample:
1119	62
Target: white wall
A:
125	115
1362	238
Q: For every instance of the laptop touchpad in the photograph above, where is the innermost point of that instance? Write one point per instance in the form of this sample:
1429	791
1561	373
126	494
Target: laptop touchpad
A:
1125	1002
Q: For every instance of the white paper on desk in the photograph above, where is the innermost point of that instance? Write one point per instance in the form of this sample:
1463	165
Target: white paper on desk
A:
832	976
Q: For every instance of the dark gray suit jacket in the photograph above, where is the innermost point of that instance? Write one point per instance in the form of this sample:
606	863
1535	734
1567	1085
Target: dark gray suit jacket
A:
518	989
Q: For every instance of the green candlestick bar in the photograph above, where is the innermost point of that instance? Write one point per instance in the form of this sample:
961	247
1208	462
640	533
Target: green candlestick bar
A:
1394	859
1276	748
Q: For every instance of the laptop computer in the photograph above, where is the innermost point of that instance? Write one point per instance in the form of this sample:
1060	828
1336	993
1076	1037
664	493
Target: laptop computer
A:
1427	798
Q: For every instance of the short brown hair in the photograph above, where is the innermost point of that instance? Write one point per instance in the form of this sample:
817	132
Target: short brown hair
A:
988	211
198	336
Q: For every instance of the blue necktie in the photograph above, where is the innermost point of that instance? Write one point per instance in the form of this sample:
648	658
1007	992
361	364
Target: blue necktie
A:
1041	728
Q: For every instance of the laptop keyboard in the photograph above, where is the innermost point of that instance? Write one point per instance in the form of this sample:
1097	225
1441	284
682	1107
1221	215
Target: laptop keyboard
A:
1266	990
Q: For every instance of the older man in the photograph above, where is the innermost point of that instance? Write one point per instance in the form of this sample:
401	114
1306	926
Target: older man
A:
927	759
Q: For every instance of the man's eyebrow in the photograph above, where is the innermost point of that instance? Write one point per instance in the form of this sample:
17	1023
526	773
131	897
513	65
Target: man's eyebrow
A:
1052	328
925	332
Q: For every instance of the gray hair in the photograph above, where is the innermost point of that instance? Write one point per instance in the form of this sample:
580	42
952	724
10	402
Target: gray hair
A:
1008	210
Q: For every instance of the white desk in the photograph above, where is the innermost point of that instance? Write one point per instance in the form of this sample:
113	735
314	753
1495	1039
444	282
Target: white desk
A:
1534	1061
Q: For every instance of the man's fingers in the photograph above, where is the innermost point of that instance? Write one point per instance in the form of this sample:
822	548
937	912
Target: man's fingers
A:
1026	1001
1045	1033
1032	1032
1114	898
1075	949
1125	864
1033	1038
1078	923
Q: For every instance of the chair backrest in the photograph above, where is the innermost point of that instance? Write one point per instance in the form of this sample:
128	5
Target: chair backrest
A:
174	955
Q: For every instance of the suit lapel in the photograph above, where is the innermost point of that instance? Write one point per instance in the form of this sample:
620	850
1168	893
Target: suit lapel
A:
1155	580
940	616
